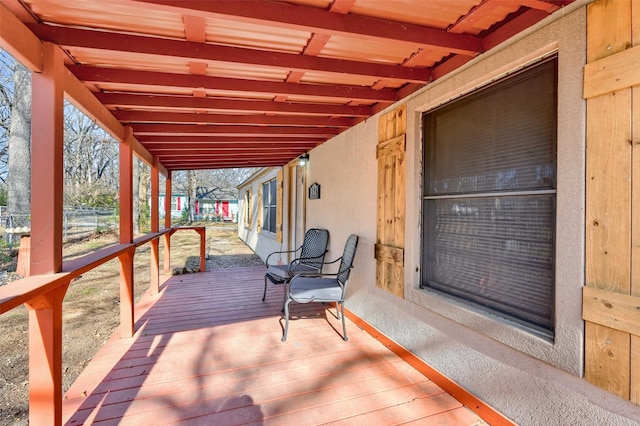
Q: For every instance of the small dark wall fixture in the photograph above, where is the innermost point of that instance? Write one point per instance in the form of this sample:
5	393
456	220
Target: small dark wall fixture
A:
314	191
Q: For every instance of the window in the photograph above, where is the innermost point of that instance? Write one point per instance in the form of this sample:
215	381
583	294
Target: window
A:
489	198
269	205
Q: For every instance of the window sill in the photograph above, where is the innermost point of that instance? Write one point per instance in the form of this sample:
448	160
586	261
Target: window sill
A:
500	329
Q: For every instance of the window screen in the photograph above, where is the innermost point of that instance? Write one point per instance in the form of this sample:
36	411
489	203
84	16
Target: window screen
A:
489	197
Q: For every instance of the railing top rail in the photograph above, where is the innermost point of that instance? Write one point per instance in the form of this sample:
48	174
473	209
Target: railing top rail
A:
188	227
18	292
87	262
196	228
143	239
21	291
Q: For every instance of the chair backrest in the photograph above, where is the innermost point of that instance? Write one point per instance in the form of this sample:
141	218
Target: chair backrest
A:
347	259
314	248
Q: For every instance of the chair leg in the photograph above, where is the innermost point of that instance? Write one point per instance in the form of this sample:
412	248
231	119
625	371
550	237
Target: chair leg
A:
264	294
284	294
344	326
286	320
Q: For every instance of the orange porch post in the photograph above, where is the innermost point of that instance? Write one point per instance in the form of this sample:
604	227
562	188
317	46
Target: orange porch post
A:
127	326
126	235
47	159
45	312
24	256
155	266
45	357
203	240
167	224
155	259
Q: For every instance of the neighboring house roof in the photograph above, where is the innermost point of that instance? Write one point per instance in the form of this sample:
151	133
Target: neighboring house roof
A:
257	175
203	193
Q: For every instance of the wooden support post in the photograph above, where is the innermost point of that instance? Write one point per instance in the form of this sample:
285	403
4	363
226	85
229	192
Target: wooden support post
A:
45	357
47	157
167	254
45	312
203	241
126	235
126	188
155	195
127	325
167	224
24	256
154	287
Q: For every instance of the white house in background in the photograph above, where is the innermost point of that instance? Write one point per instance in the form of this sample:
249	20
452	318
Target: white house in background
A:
220	208
179	205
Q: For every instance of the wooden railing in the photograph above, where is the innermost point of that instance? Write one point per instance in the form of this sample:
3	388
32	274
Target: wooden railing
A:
43	296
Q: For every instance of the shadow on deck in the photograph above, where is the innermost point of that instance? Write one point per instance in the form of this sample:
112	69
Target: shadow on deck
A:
207	351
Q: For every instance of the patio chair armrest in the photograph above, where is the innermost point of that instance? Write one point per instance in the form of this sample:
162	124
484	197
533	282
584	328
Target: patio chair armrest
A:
321	263
299	260
325	274
333	261
279	253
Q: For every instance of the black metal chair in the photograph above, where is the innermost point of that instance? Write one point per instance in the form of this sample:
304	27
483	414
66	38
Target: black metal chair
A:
310	259
308	287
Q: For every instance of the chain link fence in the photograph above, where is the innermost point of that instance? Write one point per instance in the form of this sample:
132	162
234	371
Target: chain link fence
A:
78	222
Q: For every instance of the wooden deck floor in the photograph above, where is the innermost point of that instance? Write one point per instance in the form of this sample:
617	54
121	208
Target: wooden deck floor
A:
207	352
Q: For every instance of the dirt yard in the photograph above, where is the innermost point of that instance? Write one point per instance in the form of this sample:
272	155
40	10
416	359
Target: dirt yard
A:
91	308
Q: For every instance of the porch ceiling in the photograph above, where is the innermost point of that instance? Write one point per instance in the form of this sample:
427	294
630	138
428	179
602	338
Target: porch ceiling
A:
253	83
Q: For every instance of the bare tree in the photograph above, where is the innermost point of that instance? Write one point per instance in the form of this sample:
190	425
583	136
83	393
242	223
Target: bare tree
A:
19	144
192	183
225	178
141	187
198	184
90	161
7	65
91	155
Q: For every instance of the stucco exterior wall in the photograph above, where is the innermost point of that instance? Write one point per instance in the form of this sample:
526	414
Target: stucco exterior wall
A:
262	243
530	379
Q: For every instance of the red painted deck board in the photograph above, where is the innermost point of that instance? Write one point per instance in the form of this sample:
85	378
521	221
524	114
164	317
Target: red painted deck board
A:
207	351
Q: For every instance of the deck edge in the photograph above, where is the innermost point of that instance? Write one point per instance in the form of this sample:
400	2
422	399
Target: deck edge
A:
483	410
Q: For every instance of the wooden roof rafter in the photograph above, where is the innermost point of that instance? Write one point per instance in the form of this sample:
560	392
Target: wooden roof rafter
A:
231	130
146	45
151	117
321	21
99	75
199	76
112	100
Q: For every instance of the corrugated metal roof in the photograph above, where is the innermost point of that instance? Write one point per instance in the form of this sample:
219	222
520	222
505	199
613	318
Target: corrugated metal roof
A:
288	74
